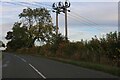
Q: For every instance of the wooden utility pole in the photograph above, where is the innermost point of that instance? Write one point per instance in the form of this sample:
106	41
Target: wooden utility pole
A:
66	36
57	10
56	23
65	10
61	7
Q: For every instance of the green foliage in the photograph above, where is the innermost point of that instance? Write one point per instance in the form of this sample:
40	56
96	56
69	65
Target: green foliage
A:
55	42
105	68
2	44
35	24
19	38
105	50
38	22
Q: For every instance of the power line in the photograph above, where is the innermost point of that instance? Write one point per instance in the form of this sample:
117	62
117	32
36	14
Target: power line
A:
25	4
43	4
85	22
89	21
86	19
35	4
16	4
79	20
29	4
75	18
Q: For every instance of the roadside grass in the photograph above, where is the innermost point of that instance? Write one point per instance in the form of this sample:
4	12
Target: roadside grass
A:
104	68
99	67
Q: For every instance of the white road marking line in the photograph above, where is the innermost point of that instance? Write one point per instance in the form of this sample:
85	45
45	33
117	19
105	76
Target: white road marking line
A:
23	59
32	67
37	71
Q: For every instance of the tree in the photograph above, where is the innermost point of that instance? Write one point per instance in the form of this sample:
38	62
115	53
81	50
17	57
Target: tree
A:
9	35
28	15
43	26
36	24
19	37
2	44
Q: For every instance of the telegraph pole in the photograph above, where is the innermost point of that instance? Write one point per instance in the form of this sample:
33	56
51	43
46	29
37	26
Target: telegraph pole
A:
66	36
65	10
57	10
61	7
56	23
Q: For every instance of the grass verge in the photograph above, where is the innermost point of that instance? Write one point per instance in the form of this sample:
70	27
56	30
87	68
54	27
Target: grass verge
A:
104	68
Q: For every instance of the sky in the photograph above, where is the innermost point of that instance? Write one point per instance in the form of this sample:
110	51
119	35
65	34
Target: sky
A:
85	20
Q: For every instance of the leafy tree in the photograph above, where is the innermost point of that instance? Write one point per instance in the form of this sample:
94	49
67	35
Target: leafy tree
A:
9	35
55	42
35	24
19	37
43	26
2	44
28	15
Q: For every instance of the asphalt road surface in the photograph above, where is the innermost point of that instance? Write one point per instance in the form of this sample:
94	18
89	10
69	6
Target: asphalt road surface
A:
25	66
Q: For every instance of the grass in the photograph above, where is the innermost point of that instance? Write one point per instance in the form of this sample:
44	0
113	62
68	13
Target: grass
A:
104	68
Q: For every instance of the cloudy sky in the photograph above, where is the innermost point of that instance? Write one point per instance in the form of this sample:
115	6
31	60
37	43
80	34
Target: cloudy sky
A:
86	19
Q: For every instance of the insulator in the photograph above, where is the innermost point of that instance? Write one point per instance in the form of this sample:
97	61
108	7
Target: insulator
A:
53	11
68	10
60	4
67	4
63	11
54	6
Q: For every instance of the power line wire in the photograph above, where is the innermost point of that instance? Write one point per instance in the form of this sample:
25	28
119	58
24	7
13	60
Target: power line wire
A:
88	20
34	4
85	22
43	4
16	4
25	4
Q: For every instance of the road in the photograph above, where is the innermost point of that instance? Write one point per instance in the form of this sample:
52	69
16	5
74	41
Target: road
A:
26	66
